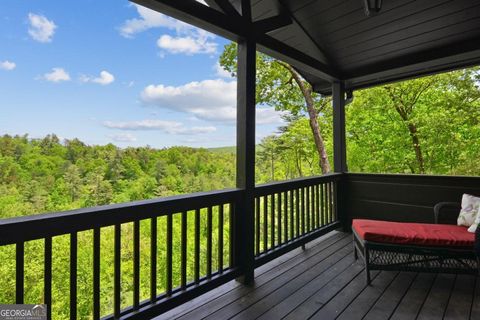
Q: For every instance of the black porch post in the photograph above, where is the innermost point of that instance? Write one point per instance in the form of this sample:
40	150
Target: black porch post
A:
244	212
339	143
340	153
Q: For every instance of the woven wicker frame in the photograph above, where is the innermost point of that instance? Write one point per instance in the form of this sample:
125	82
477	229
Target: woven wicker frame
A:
398	257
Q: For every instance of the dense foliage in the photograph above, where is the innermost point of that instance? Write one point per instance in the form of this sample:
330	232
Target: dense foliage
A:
429	125
46	174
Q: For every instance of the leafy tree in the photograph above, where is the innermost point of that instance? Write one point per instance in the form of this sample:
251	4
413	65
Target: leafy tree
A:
97	190
73	182
267	151
281	86
76	149
427	125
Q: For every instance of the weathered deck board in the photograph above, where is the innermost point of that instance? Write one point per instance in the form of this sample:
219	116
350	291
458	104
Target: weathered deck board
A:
339	302
325	282
475	314
325	273
461	299
437	300
293	278
413	300
307	300
214	300
389	300
362	304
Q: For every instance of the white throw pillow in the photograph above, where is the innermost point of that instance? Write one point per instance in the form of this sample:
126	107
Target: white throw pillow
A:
468	213
475	224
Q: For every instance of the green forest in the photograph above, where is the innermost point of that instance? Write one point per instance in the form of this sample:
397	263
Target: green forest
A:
429	125
44	175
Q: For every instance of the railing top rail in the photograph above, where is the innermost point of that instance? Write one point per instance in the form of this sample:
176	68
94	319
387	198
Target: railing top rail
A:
407	176
39	226
280	186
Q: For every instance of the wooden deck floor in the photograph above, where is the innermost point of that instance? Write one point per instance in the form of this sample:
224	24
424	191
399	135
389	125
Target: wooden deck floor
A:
325	282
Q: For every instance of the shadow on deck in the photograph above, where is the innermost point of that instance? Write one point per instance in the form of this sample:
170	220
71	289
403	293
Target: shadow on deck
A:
325	282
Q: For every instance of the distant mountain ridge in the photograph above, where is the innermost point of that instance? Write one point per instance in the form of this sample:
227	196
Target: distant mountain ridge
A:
229	149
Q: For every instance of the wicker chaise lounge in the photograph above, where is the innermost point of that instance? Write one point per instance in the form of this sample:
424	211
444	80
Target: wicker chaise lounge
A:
420	247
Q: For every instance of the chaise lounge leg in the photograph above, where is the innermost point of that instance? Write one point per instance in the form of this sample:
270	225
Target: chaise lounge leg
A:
478	266
355	253
367	266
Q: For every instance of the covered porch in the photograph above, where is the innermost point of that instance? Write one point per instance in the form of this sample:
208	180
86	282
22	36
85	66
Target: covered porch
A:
255	233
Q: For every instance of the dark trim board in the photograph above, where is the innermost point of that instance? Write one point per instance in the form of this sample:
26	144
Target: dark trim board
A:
282	186
402	197
39	226
244	227
419	65
339	137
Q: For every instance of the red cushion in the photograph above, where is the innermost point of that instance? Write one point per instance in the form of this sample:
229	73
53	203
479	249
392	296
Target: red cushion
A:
424	234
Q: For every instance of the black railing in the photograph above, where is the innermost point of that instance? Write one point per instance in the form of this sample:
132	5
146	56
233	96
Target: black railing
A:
177	247
289	214
206	216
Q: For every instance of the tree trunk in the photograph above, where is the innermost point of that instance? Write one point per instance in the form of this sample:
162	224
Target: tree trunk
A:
312	115
404	109
319	143
272	166
412	128
298	162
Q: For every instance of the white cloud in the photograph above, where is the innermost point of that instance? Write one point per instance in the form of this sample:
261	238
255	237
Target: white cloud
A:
188	45
41	29
150	19
57	75
187	40
268	115
207	100
221	72
170	127
212	100
7	65
105	78
123	137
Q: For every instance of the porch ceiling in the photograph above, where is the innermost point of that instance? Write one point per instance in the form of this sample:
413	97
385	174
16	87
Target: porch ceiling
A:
335	40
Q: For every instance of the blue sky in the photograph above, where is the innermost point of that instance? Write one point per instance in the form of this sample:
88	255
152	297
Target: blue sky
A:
110	71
